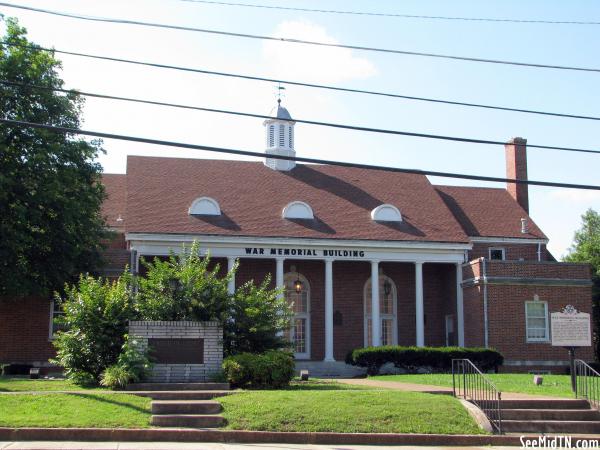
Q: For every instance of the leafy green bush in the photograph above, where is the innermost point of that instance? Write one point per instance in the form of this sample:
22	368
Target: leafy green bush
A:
259	315
96	316
272	369
183	288
132	366
410	358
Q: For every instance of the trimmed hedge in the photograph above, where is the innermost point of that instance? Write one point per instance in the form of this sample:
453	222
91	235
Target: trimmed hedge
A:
439	359
272	369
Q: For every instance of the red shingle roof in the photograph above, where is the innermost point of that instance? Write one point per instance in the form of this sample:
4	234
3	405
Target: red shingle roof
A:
115	186
487	212
252	196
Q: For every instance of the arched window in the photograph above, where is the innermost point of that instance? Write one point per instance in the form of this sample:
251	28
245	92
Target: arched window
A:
205	206
386	213
299	332
388	311
297	210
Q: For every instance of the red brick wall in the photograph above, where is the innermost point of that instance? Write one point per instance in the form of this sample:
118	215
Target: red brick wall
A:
506	312
534	269
24	330
473	316
528	252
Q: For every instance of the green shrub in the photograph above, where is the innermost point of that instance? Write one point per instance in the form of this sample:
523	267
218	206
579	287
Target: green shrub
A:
272	369
439	359
116	377
132	366
96	316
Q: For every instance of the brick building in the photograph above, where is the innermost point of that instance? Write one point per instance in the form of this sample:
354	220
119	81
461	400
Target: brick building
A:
454	265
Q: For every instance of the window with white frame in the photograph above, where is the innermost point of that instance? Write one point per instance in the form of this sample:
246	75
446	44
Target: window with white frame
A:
536	321
387	312
299	332
56	312
498	254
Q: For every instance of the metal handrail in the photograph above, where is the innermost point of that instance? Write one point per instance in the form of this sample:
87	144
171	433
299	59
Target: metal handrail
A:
587	384
469	383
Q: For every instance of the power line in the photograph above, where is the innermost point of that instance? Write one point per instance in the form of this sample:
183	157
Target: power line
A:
308	122
404	16
298	41
98	134
298	83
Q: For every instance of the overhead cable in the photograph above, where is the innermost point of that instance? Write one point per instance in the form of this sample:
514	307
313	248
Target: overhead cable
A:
308	122
302	84
18	123
297	41
404	16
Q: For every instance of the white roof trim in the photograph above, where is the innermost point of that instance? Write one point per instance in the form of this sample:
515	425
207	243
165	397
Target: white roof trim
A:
297	210
204	206
386	213
508	240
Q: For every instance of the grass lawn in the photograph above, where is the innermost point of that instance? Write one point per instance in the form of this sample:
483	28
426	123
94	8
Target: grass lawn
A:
95	410
339	408
18	384
553	385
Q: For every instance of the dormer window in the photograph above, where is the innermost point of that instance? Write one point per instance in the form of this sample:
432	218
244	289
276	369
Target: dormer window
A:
297	210
386	213
205	206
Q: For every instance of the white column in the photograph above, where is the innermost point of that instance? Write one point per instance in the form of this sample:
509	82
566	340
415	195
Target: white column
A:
279	280
460	314
329	310
231	283
279	274
419	309
375	320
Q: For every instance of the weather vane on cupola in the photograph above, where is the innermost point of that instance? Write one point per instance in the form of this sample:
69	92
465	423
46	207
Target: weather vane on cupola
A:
279	134
280	88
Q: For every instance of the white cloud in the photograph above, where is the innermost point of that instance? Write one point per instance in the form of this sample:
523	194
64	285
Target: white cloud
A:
576	195
309	62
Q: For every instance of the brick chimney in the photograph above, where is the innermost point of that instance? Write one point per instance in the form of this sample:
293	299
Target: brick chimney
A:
516	167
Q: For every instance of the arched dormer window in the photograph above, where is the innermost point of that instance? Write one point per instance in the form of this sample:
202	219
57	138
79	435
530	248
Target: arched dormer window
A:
297	210
205	206
386	213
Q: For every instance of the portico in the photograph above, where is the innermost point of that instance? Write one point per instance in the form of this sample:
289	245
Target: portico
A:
340	304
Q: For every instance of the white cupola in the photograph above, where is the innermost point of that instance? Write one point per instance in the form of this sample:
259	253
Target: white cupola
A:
279	137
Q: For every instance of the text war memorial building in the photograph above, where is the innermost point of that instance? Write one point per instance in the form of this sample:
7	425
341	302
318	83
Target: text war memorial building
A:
453	265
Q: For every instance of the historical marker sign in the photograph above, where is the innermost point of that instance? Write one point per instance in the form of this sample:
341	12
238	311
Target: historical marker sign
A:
571	328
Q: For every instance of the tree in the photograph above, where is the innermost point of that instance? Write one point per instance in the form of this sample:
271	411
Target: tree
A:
50	191
586	248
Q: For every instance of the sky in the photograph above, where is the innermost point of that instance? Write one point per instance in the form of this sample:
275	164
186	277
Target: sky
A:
557	211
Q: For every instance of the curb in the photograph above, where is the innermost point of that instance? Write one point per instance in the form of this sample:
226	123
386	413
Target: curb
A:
239	436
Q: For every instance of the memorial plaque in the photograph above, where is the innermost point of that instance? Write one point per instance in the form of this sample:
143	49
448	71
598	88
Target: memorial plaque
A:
176	351
571	328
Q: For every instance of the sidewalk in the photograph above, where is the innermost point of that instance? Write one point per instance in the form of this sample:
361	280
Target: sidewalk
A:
53	445
429	389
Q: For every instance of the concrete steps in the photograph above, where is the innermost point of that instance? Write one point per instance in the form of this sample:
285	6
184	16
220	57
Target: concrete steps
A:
181	395
178	387
551	426
186	407
183	405
187	420
549	416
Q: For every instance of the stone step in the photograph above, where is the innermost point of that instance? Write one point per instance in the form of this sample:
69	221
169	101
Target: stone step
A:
545	404
182	395
551	426
187	421
551	414
186	407
178	387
